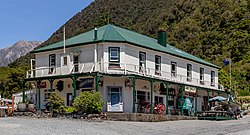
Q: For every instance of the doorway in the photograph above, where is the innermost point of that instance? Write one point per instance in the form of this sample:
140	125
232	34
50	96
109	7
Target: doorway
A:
115	103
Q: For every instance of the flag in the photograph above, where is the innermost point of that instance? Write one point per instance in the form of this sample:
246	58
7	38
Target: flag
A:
226	61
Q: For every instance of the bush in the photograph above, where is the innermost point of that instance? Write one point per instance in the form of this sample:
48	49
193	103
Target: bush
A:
89	102
57	103
71	110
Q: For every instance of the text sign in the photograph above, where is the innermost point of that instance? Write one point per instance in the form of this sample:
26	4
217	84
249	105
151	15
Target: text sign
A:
87	83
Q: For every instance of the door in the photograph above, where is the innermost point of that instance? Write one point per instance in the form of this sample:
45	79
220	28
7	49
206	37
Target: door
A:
115	103
76	63
69	99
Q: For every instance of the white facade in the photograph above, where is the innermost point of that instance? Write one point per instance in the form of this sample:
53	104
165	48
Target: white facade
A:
95	58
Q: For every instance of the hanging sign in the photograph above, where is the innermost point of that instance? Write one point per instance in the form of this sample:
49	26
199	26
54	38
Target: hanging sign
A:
43	84
87	83
190	89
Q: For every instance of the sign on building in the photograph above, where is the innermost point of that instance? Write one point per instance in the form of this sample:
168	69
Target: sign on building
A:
86	83
190	89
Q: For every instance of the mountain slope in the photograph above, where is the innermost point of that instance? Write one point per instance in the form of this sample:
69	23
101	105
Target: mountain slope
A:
21	48
210	29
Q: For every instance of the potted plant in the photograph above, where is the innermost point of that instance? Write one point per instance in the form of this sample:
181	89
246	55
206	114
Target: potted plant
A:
21	107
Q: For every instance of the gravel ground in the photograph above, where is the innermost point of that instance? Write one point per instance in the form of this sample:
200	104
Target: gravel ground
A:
52	126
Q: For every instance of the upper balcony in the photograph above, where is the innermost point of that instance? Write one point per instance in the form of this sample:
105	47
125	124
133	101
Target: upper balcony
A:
120	68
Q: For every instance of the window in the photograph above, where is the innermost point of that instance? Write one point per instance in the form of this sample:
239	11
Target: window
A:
114	56
157	65
173	69
212	78
141	96
52	63
65	61
142	62
158	100
76	63
189	72
202	76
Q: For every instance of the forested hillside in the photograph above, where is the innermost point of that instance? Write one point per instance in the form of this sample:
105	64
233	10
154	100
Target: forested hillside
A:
210	29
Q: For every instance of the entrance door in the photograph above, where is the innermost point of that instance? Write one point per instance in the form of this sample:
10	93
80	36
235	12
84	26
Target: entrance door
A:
69	99
76	63
115	103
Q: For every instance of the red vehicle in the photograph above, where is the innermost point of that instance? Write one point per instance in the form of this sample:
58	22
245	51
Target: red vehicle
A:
144	107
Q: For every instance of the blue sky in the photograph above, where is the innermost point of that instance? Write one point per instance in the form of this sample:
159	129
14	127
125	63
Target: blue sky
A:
34	19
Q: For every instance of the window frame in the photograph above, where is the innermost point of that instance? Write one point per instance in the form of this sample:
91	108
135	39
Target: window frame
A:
189	72
114	63
65	63
50	63
202	75
174	73
142	62
212	78
157	72
76	62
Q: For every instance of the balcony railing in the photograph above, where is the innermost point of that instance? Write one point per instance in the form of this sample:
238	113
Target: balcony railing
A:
120	68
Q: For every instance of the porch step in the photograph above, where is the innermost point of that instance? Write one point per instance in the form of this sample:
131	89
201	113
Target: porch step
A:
146	117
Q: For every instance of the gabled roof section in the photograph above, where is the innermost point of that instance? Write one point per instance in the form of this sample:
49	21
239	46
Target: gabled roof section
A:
111	33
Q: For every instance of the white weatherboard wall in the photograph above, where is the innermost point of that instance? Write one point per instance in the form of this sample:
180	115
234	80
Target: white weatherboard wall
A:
129	54
85	52
132	57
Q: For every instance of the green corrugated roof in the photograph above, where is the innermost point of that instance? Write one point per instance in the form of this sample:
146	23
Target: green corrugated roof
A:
111	33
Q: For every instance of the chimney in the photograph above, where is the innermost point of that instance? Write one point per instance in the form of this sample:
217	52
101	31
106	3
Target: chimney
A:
95	34
162	37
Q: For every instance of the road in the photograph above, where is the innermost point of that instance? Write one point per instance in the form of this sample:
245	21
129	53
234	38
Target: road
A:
34	126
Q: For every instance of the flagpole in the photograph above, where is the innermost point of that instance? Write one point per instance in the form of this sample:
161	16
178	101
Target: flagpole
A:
64	43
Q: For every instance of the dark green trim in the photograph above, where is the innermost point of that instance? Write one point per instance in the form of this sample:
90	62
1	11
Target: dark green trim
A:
61	76
208	99
167	84
119	57
23	89
182	98
151	96
39	95
74	84
134	94
196	95
114	75
51	85
99	41
97	78
51	90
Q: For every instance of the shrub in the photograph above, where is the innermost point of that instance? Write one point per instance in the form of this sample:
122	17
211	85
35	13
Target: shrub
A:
89	102
71	109
57	103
